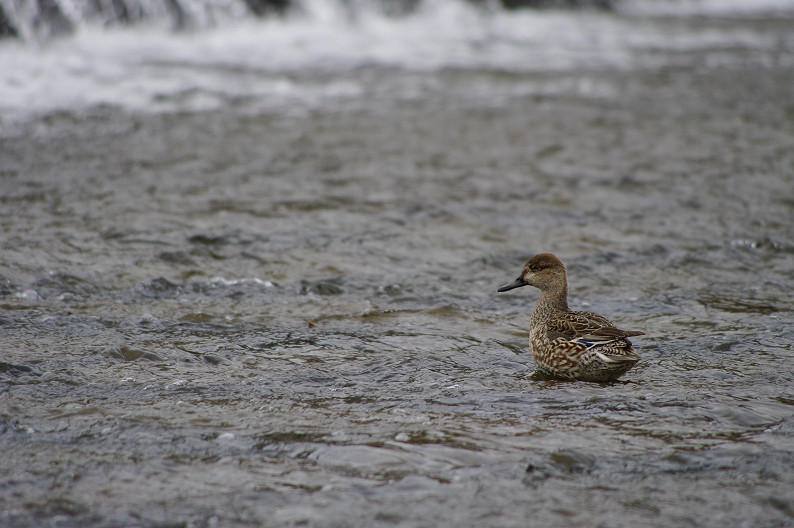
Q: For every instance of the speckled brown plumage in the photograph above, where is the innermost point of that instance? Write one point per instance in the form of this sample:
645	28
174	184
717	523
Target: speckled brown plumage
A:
572	345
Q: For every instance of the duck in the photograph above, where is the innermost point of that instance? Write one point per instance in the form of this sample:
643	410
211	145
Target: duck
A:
565	344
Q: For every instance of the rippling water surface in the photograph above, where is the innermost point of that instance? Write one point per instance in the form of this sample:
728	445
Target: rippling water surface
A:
261	290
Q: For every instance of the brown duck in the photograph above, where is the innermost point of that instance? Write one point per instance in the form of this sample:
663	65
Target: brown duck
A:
571	345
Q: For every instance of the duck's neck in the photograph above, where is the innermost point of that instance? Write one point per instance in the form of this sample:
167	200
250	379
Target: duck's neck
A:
551	302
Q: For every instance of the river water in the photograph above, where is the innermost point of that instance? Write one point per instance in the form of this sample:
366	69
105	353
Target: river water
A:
248	273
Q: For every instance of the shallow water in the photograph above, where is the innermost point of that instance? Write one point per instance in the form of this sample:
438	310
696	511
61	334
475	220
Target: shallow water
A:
286	315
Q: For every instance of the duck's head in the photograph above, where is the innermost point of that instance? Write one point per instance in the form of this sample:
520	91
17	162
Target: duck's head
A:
545	272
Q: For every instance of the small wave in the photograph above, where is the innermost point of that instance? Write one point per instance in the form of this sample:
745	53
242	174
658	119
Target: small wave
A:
162	288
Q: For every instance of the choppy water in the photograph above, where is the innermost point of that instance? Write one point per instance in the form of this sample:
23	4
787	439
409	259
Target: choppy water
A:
269	298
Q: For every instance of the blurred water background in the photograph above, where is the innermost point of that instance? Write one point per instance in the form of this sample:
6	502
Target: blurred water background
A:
250	251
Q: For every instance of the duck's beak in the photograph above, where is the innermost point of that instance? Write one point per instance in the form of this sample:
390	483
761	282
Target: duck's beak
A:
517	284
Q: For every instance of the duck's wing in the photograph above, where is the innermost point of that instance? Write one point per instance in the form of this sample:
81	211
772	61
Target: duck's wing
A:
586	326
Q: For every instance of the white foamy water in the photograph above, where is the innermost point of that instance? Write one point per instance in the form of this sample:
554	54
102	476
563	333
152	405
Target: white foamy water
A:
711	7
304	60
